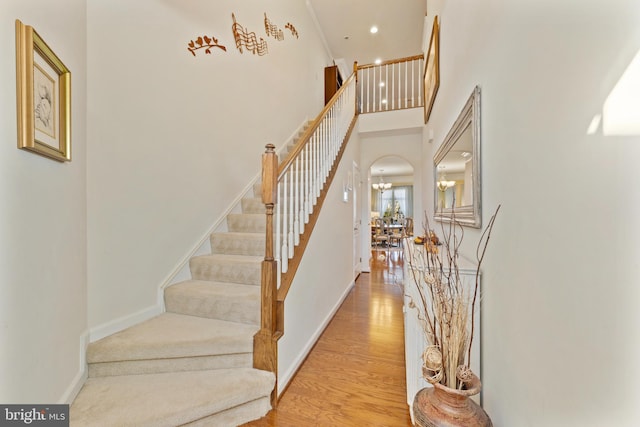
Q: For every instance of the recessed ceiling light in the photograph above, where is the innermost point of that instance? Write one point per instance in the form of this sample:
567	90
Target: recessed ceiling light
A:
373	29
378	61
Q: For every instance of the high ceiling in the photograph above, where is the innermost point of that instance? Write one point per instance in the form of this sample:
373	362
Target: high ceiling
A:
346	27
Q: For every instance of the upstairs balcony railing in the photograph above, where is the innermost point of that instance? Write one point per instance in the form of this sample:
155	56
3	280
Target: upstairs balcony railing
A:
391	85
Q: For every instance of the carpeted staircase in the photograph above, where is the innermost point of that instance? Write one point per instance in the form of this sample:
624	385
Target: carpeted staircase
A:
191	365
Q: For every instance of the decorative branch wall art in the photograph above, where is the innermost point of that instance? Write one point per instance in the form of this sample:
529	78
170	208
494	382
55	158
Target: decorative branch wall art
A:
291	28
272	29
248	40
244	39
204	42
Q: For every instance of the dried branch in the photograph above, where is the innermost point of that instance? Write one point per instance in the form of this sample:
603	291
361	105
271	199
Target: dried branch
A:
444	311
483	242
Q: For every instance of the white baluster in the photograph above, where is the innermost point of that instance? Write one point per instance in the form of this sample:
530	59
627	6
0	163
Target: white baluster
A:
296	201
278	219
285	229
307	175
386	85
406	86
300	204
373	90
393	87
290	213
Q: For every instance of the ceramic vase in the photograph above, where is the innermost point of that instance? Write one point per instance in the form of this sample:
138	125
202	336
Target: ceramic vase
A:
441	406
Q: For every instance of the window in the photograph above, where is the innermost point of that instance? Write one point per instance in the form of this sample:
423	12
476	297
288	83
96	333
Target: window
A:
395	202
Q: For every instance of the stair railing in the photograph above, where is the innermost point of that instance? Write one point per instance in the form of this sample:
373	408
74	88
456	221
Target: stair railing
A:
391	85
293	193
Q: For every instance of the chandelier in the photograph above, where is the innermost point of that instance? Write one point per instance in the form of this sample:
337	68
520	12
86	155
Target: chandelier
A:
443	184
381	185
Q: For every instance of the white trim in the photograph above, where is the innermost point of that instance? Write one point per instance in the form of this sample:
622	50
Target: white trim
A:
314	18
124	322
78	381
285	378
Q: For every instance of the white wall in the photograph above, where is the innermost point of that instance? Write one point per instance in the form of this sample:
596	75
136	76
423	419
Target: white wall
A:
43	309
325	274
175	138
560	318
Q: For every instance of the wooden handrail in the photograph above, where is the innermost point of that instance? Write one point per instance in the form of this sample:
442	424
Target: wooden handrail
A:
306	135
309	170
392	61
287	278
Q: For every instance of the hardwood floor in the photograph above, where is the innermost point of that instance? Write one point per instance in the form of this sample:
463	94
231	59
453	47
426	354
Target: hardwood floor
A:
355	374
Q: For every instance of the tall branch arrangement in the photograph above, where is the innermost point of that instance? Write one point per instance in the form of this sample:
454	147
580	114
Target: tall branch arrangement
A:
446	309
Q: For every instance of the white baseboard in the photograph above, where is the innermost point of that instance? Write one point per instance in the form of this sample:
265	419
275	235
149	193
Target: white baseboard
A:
124	322
78	381
285	378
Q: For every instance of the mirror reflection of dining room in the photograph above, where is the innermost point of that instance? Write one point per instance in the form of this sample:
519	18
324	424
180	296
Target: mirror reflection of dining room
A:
454	171
391	203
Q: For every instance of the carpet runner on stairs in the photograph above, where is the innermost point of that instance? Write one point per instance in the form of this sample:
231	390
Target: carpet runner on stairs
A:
192	365
224	397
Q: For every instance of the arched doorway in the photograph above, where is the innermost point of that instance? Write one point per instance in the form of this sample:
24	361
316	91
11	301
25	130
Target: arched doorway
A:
391	191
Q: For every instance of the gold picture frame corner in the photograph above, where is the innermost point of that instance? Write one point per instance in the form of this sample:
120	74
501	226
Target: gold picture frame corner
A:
43	97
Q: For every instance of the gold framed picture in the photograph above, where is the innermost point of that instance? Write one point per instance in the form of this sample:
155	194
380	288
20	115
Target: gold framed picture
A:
432	70
43	86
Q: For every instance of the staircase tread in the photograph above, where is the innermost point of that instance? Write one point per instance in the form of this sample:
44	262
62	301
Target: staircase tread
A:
172	335
167	399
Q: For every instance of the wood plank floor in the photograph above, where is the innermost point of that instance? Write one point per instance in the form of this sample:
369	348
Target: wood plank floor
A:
355	374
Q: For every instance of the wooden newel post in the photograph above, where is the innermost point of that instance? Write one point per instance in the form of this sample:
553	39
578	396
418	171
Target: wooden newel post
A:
265	343
269	193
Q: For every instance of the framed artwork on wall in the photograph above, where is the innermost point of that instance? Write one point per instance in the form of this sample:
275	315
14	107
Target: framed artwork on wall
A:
432	70
43	89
